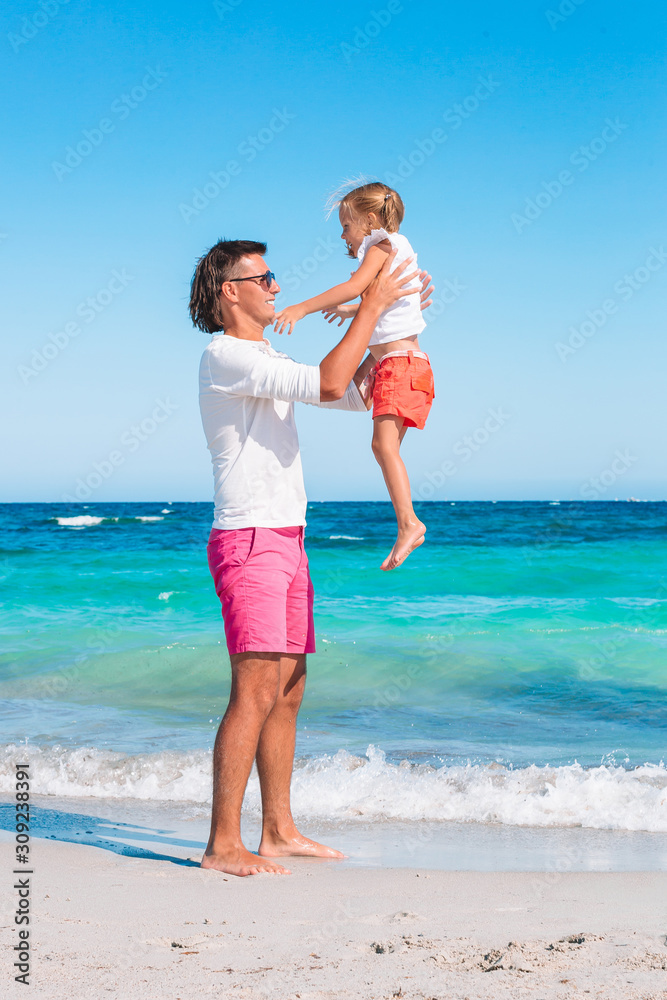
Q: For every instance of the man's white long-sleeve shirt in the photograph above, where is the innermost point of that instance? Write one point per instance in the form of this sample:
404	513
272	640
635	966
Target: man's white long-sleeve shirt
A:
247	393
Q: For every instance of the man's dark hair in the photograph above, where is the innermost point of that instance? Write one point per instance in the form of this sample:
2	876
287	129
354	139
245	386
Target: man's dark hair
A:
218	265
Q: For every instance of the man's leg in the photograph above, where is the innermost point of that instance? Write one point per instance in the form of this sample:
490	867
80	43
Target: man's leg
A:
275	759
388	434
255	686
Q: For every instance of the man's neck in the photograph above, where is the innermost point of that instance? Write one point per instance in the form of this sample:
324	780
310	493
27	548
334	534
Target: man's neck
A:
244	329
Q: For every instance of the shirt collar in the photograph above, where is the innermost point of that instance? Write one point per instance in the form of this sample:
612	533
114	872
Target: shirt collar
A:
258	345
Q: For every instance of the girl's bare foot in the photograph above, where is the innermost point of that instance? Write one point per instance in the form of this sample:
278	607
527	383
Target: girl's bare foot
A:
241	862
296	846
407	541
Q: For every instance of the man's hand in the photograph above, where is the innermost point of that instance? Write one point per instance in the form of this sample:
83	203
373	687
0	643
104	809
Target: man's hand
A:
388	287
338	368
288	317
341	313
427	290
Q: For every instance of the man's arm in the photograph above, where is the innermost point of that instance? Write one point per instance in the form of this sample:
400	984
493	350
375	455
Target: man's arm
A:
338	368
352	398
235	372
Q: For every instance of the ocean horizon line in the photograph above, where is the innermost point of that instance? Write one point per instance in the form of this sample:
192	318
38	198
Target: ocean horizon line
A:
384	503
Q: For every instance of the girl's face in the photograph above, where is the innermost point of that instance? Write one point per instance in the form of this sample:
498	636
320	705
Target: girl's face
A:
353	230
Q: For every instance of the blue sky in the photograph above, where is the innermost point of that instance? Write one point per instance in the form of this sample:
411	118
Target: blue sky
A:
527	141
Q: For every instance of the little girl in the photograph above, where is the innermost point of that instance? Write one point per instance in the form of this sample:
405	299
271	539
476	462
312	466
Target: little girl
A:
401	383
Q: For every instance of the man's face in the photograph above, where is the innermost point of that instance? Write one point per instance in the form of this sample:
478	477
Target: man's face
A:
255	298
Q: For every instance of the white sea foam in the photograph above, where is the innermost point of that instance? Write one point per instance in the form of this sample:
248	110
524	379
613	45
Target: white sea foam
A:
166	511
350	538
346	787
169	776
88	521
81	521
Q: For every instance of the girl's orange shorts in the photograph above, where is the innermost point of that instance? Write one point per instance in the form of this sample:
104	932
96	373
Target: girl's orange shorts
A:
404	387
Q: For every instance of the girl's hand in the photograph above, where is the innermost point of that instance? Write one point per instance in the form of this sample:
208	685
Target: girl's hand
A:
288	318
340	313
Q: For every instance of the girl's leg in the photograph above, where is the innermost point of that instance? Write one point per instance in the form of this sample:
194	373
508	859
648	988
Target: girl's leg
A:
388	432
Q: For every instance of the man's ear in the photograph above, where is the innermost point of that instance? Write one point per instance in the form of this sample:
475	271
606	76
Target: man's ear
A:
227	297
229	292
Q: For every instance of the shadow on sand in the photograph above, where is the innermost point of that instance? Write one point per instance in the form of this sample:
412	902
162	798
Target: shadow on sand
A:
77	828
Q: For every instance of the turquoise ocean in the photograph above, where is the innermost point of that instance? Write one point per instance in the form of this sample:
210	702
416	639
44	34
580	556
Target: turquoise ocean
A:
512	673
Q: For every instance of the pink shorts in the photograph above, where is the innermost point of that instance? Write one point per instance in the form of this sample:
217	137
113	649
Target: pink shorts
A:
261	577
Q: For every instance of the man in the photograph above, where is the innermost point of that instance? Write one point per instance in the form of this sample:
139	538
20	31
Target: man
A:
256	549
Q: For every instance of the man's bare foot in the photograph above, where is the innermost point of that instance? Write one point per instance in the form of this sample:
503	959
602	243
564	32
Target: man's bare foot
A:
295	846
407	541
241	862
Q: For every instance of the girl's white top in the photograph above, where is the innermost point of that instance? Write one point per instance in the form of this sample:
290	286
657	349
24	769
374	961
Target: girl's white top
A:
404	318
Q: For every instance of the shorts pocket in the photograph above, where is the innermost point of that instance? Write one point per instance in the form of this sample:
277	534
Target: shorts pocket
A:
384	386
423	382
244	545
230	549
229	557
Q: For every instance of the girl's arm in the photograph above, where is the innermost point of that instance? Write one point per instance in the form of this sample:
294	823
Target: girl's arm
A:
349	309
358	283
341	313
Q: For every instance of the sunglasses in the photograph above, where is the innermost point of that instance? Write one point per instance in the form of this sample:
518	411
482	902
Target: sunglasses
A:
269	277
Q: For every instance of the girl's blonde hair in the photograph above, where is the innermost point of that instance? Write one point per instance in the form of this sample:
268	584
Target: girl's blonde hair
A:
385	203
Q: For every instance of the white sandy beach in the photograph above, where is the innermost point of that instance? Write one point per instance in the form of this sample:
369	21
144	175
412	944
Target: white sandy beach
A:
108	925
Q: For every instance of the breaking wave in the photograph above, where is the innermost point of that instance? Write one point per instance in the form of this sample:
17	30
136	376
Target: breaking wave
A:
347	787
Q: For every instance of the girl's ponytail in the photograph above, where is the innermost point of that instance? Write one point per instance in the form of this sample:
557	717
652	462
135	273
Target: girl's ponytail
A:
376	198
392	211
